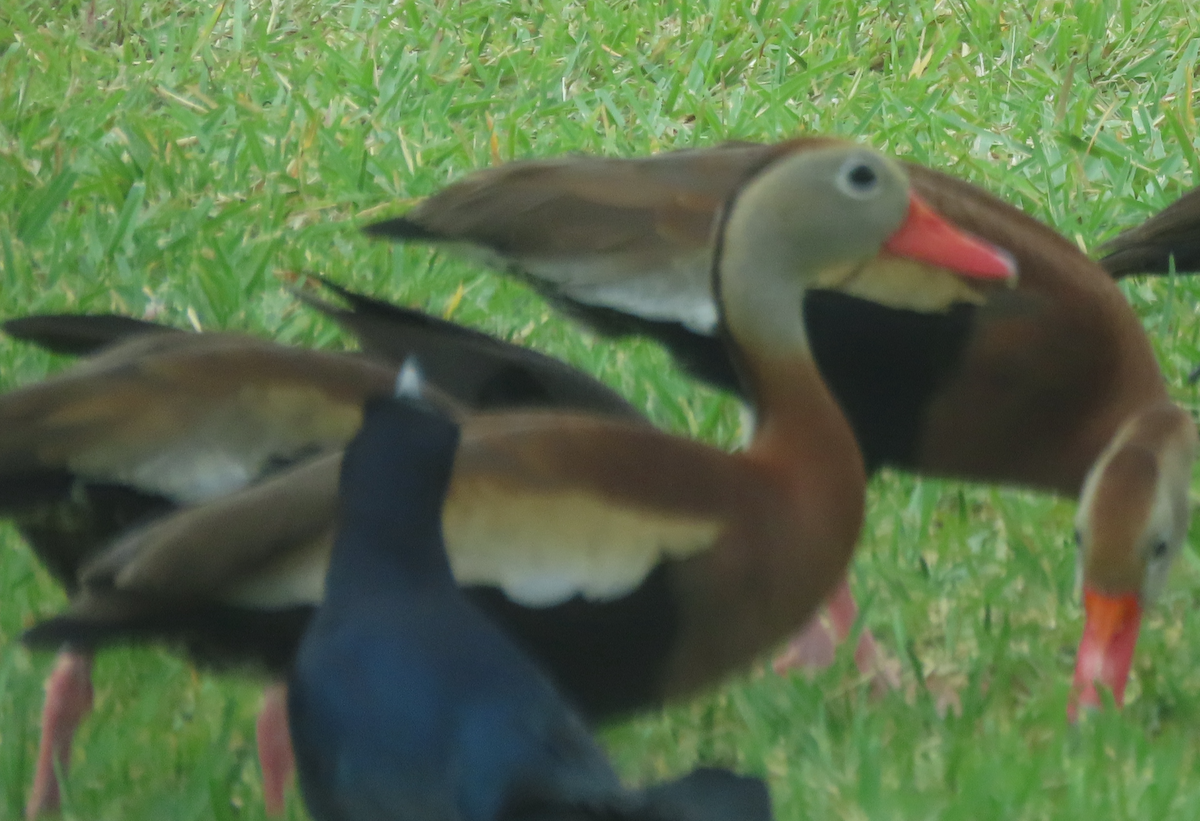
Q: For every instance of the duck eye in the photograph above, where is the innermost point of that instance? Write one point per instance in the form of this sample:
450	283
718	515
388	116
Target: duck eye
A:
862	175
1078	538
1159	550
859	180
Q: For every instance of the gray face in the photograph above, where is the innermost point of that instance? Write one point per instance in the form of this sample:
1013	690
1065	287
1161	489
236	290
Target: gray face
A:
822	208
801	216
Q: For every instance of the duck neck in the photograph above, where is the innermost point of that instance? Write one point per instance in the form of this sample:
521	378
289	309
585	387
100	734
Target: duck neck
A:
777	567
801	434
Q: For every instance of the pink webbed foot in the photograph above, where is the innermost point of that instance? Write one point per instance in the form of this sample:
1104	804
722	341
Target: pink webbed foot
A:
68	700
274	748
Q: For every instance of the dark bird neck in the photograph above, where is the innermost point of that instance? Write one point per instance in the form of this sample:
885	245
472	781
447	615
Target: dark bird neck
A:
395	476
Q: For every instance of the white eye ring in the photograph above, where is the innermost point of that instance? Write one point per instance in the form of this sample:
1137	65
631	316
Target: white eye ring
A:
859	179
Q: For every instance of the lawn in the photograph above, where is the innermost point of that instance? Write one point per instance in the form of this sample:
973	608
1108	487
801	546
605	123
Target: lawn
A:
183	160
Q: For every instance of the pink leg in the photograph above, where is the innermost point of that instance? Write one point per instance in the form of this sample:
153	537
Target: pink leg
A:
813	647
843	612
274	747
68	700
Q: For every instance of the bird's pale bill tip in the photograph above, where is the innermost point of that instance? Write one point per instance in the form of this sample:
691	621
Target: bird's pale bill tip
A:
410	380
928	237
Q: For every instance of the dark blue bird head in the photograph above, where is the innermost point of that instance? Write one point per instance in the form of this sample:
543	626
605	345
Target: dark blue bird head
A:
395	475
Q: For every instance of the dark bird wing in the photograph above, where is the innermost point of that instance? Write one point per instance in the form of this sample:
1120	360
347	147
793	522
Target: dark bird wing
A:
1148	248
79	334
477	369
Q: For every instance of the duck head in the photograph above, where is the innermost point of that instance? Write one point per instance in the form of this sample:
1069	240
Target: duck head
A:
825	218
1131	524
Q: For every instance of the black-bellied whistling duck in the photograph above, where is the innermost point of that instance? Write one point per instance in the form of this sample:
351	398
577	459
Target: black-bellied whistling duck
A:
1027	388
1173	232
479	732
637	565
163	418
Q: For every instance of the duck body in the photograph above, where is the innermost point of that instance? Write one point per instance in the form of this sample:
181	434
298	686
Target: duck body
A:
1049	372
160	421
1020	387
620	586
157	418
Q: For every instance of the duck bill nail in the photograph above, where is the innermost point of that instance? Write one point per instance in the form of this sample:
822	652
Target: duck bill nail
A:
1110	634
927	237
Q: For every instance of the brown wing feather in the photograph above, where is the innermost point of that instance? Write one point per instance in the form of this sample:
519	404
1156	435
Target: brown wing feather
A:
187	416
654	207
208	550
543	511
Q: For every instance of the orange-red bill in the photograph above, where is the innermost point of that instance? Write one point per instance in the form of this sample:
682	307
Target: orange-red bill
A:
1110	634
928	237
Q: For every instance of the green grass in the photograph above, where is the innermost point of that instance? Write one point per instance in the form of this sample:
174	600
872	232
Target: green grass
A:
169	158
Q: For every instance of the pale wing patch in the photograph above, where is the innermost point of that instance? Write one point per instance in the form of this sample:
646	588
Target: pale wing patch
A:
227	448
540	549
188	472
678	291
544	547
194	476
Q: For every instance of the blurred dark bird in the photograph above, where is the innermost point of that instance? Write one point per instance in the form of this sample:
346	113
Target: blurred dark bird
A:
406	702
